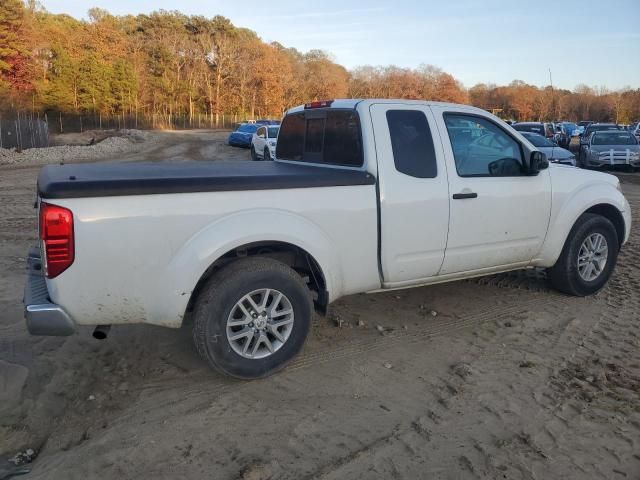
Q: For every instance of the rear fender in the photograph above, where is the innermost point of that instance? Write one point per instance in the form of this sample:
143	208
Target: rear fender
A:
241	228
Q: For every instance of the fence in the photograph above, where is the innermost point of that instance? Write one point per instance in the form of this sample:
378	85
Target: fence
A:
71	122
20	130
28	130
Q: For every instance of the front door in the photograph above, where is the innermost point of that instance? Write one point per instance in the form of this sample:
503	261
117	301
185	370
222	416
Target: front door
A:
498	214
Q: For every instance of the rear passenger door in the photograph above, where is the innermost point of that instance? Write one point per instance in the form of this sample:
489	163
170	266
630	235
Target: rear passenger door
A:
414	193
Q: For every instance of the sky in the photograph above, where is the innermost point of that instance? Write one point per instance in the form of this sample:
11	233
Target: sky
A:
593	42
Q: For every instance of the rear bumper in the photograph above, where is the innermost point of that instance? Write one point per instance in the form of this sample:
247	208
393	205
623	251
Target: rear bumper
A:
43	317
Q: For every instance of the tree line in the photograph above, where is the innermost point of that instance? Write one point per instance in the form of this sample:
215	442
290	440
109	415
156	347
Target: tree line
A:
168	65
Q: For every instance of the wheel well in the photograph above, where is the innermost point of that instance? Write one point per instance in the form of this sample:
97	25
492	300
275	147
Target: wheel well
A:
613	215
297	258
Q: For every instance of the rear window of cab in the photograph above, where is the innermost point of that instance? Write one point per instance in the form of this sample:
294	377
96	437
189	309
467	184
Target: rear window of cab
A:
328	136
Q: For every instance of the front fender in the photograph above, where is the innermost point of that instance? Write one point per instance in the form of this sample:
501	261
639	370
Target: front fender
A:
241	228
567	208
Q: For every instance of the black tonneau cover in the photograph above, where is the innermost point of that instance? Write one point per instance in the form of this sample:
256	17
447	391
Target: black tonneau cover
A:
117	179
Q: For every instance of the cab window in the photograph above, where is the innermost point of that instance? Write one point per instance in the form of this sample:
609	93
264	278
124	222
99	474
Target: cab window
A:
412	143
328	136
483	149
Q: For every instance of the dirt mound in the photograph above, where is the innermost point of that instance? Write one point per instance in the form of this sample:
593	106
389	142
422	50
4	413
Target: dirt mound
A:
95	146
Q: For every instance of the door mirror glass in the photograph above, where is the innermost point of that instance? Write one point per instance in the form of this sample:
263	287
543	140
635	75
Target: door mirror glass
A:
538	161
505	167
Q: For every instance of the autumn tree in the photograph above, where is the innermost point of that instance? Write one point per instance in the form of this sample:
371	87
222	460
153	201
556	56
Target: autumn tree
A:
168	68
15	62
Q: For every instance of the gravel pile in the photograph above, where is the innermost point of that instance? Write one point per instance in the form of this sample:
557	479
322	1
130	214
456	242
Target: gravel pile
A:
109	147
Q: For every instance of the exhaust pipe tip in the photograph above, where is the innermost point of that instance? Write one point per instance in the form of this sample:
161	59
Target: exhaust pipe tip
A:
101	332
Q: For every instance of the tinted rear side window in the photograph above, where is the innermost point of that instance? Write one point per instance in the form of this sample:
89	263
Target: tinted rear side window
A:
321	136
412	143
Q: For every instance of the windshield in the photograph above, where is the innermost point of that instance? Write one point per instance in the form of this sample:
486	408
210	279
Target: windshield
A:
248	128
273	132
613	138
538	140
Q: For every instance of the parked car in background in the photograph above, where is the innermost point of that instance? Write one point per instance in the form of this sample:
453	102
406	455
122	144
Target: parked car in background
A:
594	127
562	136
263	143
570	127
585	123
611	148
554	153
545	129
268	122
574	141
243	135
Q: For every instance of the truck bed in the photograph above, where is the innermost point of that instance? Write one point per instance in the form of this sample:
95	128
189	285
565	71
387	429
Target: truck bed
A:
146	178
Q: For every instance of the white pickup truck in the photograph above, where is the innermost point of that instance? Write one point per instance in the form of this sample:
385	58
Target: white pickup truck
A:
364	195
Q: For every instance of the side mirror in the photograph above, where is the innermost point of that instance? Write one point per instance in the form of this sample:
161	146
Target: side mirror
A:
505	167
538	161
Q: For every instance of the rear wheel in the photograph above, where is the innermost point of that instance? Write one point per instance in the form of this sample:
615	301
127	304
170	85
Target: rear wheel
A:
266	155
252	318
588	257
254	155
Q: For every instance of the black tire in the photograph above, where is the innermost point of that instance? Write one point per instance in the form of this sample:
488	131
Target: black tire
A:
266	155
220	295
564	275
254	155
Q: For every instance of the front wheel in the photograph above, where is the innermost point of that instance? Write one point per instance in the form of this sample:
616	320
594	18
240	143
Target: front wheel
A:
588	257
252	318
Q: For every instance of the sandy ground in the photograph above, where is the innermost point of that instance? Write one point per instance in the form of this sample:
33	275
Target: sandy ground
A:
126	145
499	377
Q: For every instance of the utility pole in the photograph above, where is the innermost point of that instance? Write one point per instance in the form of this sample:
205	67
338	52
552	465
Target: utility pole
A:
553	103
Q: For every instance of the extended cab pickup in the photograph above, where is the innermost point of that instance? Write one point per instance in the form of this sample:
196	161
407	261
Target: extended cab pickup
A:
364	195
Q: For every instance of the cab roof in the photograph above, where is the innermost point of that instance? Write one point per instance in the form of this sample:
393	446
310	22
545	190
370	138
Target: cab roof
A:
353	103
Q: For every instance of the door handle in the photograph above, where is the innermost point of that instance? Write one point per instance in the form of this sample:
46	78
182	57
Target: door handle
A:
461	196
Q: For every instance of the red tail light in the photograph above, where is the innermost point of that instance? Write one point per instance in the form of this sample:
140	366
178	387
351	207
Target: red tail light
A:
56	233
